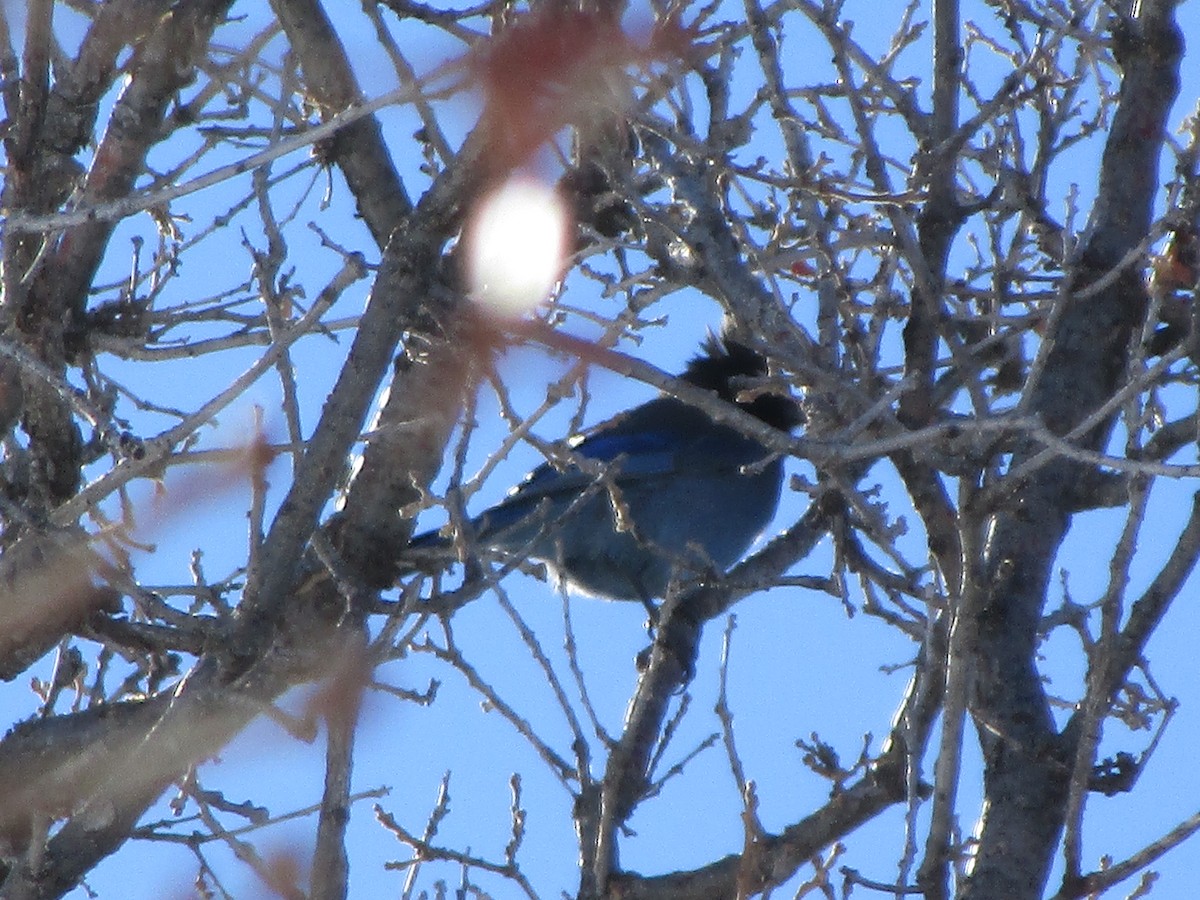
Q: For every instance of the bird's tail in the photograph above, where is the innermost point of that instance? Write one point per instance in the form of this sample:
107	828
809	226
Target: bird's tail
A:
429	551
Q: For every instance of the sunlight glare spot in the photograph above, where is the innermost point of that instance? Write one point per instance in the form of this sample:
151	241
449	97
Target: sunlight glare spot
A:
516	246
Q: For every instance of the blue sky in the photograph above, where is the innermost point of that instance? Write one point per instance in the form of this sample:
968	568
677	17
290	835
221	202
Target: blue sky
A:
798	664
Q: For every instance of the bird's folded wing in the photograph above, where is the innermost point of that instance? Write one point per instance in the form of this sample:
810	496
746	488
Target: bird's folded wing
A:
637	458
636	455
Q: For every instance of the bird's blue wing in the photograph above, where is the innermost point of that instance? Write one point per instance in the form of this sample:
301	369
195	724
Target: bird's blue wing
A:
641	454
658	440
606	446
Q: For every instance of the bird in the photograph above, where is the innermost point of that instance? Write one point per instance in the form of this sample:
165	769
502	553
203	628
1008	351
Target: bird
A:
657	496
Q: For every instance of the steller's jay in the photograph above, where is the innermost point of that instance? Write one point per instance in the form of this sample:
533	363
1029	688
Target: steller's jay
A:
661	494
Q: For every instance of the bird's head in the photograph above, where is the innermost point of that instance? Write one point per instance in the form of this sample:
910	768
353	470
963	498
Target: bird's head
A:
729	368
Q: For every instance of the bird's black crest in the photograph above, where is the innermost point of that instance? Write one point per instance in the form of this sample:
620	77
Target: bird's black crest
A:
720	368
